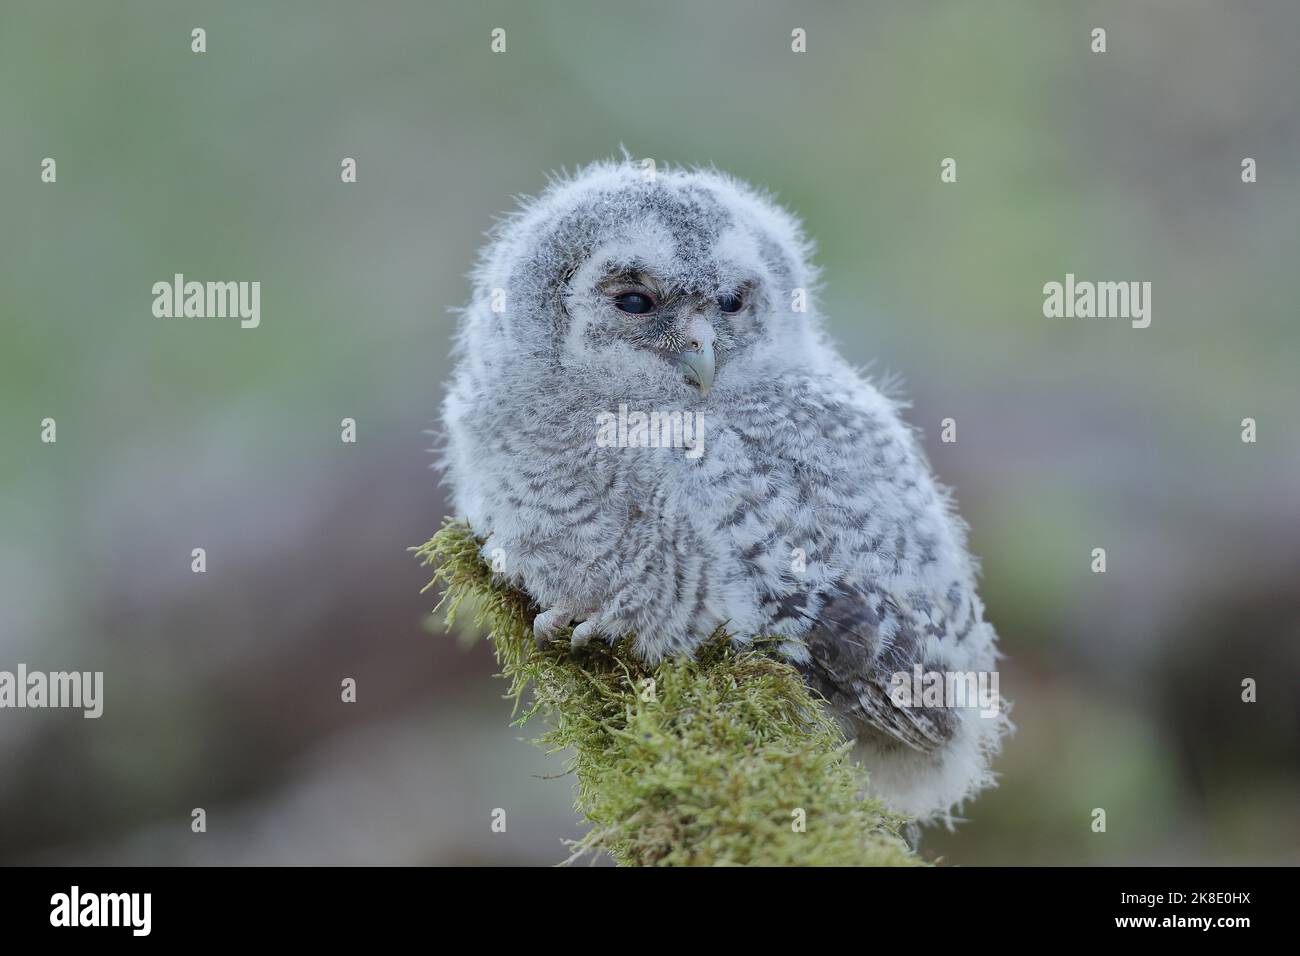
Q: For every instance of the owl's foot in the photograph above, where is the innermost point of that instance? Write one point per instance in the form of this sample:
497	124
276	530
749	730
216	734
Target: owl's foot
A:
546	624
549	621
584	632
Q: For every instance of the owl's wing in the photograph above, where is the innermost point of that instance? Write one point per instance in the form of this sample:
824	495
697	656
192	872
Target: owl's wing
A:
858	640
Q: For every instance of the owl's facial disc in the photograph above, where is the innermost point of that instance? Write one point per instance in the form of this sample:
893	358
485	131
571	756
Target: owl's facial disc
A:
678	327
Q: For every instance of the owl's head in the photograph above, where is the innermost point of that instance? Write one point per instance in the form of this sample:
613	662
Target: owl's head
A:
665	284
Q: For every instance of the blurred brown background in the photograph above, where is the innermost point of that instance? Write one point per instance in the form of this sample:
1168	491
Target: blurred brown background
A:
222	689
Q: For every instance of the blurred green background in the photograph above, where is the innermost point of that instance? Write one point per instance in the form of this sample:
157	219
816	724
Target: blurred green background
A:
222	689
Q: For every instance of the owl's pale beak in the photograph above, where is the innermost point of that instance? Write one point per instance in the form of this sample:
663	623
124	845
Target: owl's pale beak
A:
697	358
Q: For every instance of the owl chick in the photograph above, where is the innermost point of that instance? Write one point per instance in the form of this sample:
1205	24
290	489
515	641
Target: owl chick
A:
801	508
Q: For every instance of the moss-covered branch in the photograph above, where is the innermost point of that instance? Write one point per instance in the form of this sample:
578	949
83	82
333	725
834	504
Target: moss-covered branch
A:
704	762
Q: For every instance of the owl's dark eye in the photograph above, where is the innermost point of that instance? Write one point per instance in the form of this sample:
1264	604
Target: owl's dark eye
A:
730	303
634	303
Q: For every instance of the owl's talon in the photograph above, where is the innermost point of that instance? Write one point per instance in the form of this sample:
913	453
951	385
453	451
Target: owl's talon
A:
583	633
549	621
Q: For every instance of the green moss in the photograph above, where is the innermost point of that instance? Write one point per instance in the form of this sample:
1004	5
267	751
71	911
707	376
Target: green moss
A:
695	762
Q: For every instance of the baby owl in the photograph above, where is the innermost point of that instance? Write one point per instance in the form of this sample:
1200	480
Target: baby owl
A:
802	509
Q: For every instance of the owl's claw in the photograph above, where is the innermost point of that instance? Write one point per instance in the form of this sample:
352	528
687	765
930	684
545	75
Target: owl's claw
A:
583	633
548	622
